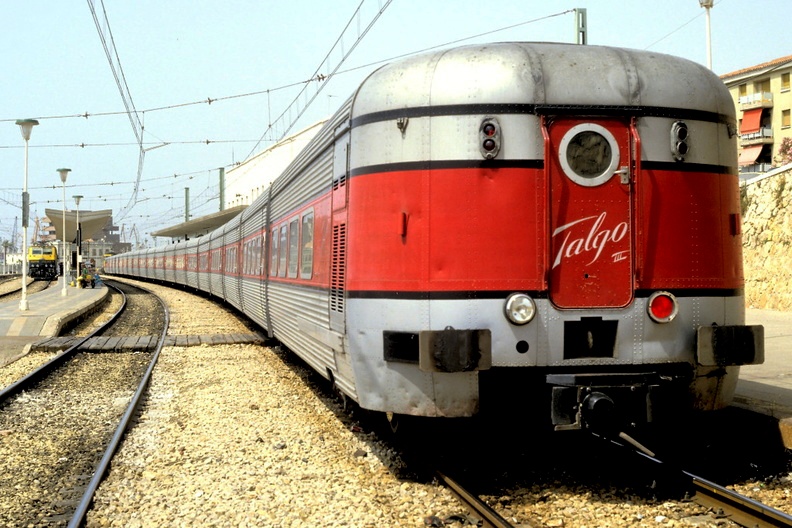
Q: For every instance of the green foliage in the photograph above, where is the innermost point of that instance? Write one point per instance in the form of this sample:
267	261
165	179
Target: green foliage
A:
785	151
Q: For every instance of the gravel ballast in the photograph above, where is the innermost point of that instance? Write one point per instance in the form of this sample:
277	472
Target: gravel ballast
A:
232	436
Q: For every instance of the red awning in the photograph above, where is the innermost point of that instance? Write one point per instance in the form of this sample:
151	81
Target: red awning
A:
749	154
751	121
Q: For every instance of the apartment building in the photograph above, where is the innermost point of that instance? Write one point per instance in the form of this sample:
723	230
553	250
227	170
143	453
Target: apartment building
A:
763	100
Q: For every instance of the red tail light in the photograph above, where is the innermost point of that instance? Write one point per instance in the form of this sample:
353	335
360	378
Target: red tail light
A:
662	307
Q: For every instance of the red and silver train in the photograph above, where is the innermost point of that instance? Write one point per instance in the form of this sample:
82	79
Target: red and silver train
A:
481	225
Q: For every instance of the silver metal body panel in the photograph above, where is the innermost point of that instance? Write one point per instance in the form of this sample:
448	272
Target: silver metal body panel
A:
404	388
169	271
215	263
191	250
231	271
158	272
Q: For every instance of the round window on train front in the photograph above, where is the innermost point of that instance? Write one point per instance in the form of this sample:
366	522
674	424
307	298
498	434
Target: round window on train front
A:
589	154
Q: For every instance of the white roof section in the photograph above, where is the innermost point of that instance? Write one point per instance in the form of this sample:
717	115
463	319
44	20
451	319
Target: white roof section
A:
245	182
199	226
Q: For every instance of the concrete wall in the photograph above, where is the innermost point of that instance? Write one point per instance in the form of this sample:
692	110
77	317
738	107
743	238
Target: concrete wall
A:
767	242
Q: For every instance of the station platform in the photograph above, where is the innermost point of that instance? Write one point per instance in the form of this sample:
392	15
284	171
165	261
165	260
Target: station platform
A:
48	312
767	388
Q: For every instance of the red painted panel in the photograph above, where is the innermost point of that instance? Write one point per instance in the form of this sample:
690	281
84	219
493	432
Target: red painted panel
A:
447	230
685	224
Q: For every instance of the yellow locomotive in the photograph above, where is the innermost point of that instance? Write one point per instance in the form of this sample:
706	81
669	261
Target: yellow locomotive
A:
43	262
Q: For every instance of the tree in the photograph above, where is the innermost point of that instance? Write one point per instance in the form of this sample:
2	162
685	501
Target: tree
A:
785	151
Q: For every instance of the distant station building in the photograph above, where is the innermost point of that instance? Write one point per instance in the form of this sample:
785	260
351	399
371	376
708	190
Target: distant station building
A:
243	184
99	238
763	101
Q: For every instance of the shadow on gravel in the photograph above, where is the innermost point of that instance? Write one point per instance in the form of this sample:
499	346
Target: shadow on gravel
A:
518	450
727	446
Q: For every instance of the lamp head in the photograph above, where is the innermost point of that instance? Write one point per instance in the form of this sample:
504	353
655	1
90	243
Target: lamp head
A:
77	199
706	3
25	126
63	174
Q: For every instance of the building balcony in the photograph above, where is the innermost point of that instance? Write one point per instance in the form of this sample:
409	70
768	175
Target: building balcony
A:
761	137
756	168
757	100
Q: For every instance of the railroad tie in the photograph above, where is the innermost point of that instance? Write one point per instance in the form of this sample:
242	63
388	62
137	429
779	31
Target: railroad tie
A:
119	344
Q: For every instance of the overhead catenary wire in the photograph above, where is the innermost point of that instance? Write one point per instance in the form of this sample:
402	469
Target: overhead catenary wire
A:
118	74
322	78
318	78
210	100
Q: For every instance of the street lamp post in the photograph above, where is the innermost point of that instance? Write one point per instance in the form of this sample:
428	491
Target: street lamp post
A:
77	199
707	5
63	174
25	126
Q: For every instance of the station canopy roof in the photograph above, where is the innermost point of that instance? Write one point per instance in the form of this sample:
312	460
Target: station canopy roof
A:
200	226
92	223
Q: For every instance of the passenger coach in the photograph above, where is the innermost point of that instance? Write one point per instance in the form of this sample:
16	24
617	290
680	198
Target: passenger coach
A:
522	224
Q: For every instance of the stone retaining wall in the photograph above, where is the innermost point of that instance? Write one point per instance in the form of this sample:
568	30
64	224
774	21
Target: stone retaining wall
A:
767	242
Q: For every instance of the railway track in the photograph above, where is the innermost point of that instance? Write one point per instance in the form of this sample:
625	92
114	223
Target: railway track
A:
62	422
482	515
723	502
12	289
551	480
737	508
8	278
726	507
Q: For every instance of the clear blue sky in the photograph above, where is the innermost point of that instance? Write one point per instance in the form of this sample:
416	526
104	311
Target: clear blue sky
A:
178	52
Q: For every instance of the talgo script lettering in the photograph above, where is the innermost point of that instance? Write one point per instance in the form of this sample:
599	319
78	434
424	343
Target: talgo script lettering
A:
578	242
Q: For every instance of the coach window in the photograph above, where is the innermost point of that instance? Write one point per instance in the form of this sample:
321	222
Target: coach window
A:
282	253
274	253
306	245
257	264
294	247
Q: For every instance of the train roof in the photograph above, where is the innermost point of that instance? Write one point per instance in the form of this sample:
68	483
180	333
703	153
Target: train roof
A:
547	76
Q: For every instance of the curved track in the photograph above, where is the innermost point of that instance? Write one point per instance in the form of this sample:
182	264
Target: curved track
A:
112	447
44	370
59	389
10	291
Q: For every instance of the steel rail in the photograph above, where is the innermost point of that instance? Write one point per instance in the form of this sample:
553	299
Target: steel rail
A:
490	517
34	285
102	468
735	507
44	370
727	503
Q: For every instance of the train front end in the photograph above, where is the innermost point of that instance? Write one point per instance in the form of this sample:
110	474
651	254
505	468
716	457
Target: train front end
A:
545	219
43	262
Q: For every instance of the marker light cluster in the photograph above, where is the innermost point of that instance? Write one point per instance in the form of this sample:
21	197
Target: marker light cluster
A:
520	309
662	307
489	138
680	140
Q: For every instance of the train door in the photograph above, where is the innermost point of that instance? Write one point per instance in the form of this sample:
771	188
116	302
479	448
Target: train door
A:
591	218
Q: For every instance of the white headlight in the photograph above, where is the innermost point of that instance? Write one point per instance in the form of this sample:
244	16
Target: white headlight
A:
520	309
